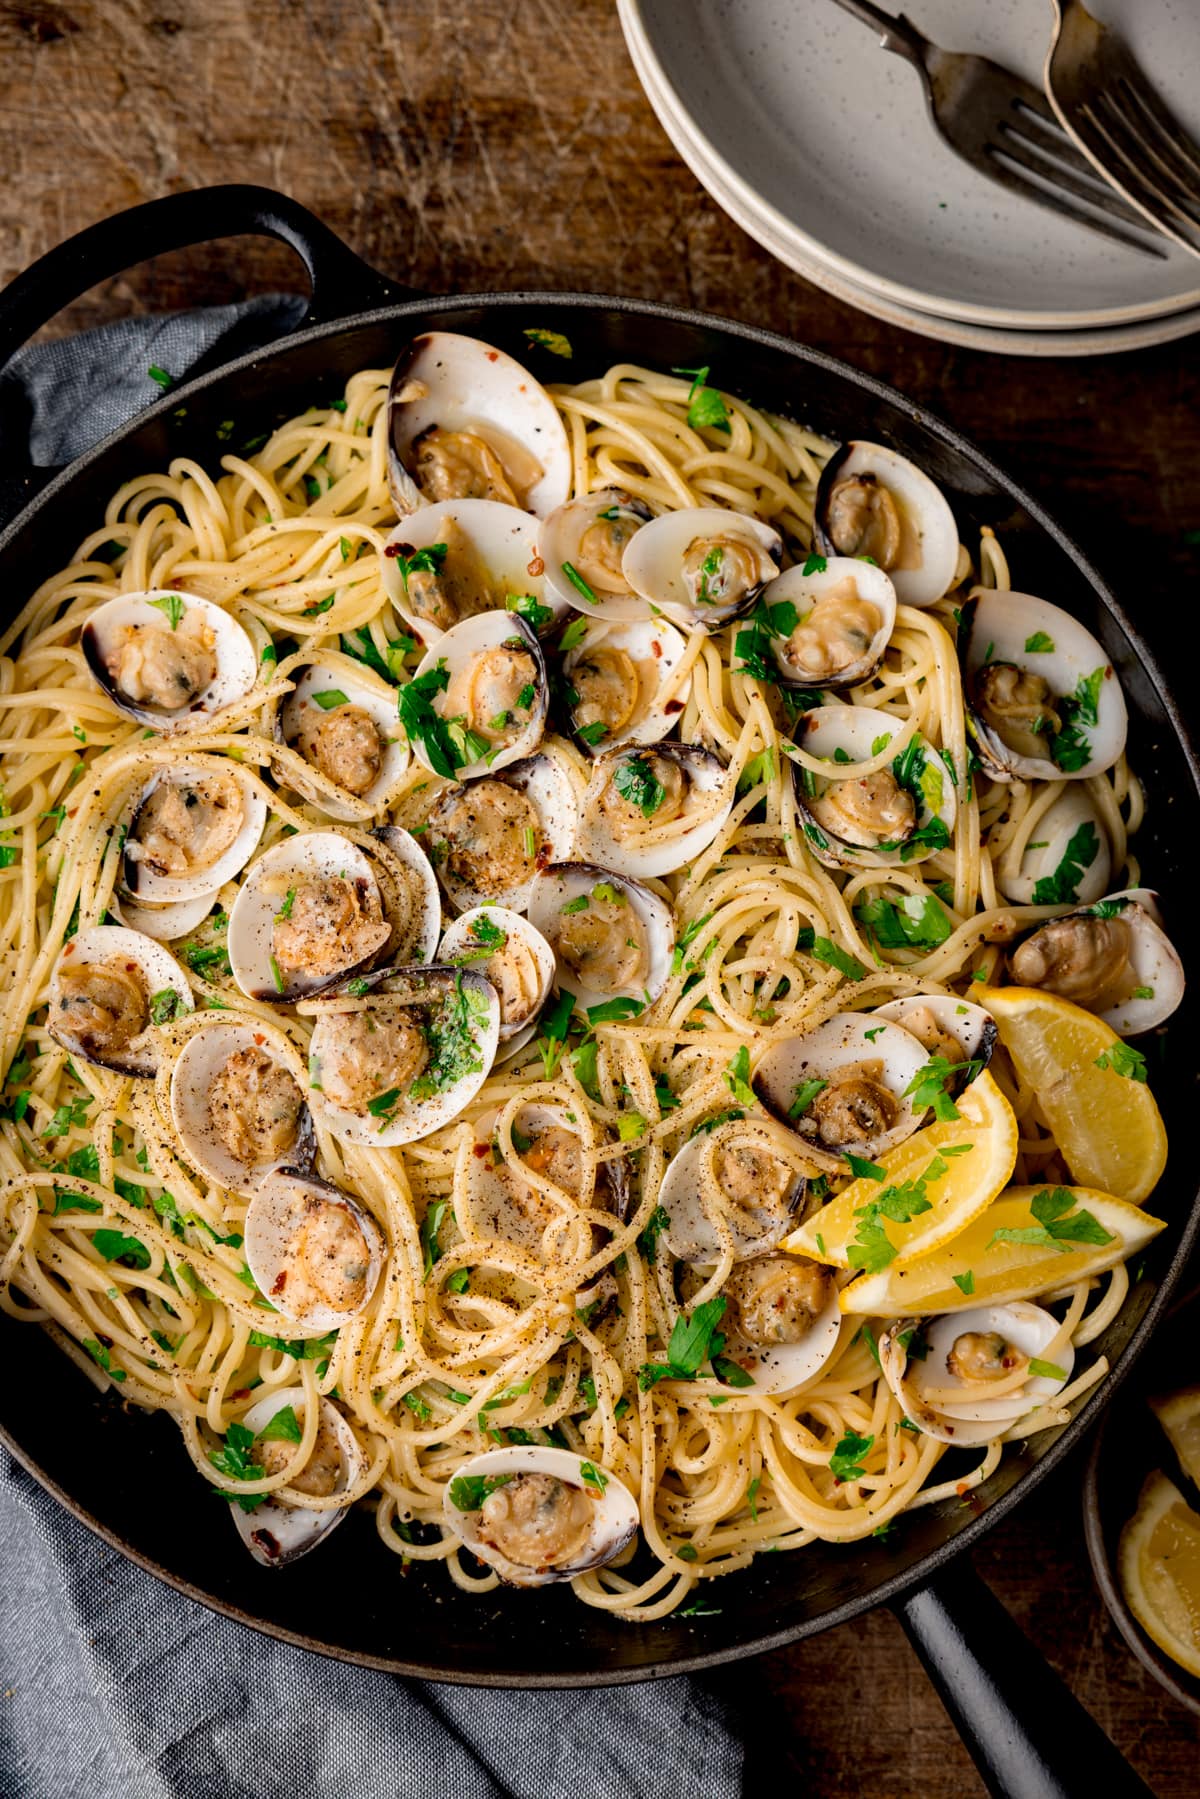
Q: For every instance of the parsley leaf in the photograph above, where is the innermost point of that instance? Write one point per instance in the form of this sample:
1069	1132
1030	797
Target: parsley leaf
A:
848	1458
114	1246
635	781
737	1078
284	1427
917	921
468	1491
1062	887
234	1461
1123	1059
705	406
833	957
172	607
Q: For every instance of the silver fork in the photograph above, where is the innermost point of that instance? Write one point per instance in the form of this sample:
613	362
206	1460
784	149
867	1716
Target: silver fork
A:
1005	128
1110	110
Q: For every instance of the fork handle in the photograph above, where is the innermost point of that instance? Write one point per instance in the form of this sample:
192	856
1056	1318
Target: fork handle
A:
898	33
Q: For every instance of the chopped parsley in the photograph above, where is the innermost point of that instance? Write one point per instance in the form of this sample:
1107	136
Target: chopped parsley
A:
706	408
100	1355
752	645
468	1491
1069	748
694	1338
331	697
166	1005
536	616
611	1010
553	341
1057	1226
1062	887
575	633
234	1461
635	781
555	1025
172	608
361	645
737	1078
965	1282
918	921
160	376
579	584
848	1459
450	1032
284	1427
417	562
1039	644
806	1092
1123	1059
833	957
928	1085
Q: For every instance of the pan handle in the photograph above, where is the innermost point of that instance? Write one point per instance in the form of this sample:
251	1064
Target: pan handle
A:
341	282
1028	1734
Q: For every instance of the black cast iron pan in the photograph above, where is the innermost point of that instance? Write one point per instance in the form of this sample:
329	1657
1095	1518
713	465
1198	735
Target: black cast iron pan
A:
126	1475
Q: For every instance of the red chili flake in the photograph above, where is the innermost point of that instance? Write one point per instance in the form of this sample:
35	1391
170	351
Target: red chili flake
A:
536	567
656	648
259	1039
493	355
673	706
482	1149
267	1542
280	1281
398	549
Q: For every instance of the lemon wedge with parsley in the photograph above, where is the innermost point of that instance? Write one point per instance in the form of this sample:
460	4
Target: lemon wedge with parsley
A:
1029	1241
1159	1567
1091	1087
934	1184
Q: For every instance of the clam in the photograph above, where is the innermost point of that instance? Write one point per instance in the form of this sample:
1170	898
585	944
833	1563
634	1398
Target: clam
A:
492	699
1043	700
746	1172
972	1381
1113	958
611	936
501	1203
538	1515
163	923
872	502
467	421
309	913
619	682
400	1053
342	720
168	660
901	812
843	1086
488	838
583	547
953	1029
238	1103
409	890
194	827
782	1322
281	1529
110	990
507	951
703	565
1067	859
449	562
649	811
845	611
313	1250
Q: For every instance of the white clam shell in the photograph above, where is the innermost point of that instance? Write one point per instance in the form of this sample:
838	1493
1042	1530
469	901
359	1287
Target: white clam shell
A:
653	562
159	973
147	886
458	650
808	592
277	1532
997	626
333	674
689	1193
546	784
974	1417
855	731
655	649
565	884
164	923
516	1025
820	1054
250	937
562	533
280	1208
236	661
203	1056
1058	829
1154	964
929	554
786	1367
416	913
503	538
659	849
614	1526
471	386
497	1204
974	1026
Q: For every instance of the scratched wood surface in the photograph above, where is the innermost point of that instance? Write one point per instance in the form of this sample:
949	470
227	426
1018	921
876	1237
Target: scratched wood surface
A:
478	144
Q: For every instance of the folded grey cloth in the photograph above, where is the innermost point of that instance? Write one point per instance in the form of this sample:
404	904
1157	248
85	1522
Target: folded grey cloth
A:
113	1686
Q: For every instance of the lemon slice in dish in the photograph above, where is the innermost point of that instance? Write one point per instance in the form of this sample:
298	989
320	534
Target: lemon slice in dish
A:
1179	1415
953	1169
1159	1567
1029	1241
1090	1086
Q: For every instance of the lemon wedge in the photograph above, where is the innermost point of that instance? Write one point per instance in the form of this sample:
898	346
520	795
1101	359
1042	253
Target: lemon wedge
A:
1107	1125
1159	1567
1179	1415
975	1267
982	1146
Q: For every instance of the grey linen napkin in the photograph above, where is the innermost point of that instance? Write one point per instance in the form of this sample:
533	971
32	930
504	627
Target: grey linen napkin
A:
112	1685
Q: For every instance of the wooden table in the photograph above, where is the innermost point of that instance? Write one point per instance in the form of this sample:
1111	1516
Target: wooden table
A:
484	144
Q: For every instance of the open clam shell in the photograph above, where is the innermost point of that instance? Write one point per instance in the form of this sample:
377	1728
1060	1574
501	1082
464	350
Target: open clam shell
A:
845	614
495	695
871	501
749	1173
313	1250
945	1025
902	812
193	828
466	419
508	951
1043	700
610	935
398	1060
702	565
557	1512
649	811
1113	958
164	923
842	1085
500	1203
238	1103
110	990
309	914
167	659
278	1530
1068	858
939	1390
489	837
619	683
778	1297
411	902
583	544
343	721
456	559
